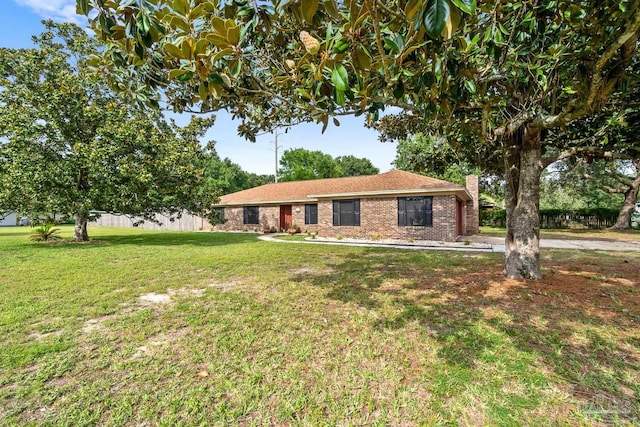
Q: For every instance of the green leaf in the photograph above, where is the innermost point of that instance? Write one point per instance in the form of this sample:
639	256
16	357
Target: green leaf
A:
304	94
332	9
218	25
339	97
471	86
186	76
235	68
177	73
181	6
435	17
412	7
215	78
341	46
174	50
233	35
309	8
142	20
467	6
340	78
398	90
83	7
203	92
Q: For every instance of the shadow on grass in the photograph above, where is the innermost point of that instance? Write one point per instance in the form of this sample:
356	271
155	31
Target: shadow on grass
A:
147	238
179	238
5	233
580	322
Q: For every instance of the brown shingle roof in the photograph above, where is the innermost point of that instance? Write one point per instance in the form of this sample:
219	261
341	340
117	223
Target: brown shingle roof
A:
392	182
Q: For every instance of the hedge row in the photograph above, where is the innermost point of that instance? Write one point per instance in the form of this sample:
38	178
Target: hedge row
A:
556	218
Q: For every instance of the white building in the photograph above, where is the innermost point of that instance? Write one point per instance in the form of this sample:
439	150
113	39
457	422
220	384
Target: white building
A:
8	219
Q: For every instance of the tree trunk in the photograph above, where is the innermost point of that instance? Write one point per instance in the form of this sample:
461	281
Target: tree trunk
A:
523	166
630	199
80	229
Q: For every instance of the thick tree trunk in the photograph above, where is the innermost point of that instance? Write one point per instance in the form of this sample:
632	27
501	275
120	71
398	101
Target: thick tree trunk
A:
630	199
523	166
80	229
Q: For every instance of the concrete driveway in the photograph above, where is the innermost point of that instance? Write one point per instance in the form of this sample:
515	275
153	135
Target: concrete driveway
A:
497	243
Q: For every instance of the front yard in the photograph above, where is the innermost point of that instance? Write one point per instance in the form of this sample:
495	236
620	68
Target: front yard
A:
145	328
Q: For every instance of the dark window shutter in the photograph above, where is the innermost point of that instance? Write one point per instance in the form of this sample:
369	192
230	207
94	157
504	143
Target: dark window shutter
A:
336	212
307	214
356	212
245	215
402	212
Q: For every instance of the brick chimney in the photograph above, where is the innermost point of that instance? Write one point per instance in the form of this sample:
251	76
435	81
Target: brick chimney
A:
473	205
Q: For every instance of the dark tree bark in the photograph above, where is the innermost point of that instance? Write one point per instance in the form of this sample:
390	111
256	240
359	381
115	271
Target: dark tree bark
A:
80	229
523	166
630	199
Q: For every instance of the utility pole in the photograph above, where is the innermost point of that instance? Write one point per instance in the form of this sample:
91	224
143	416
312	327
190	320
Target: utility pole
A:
276	147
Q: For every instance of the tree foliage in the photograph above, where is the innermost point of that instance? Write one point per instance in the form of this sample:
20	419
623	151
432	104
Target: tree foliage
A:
356	166
500	74
222	176
575	184
435	157
70	146
300	164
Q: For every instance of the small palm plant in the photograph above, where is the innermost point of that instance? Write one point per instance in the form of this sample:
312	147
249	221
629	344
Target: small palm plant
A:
45	233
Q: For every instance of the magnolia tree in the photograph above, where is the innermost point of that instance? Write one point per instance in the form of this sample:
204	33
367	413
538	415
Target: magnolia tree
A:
71	146
499	72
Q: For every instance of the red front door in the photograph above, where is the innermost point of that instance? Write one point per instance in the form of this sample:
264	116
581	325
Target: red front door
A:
285	217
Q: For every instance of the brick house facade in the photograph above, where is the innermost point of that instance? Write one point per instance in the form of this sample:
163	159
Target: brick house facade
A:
374	204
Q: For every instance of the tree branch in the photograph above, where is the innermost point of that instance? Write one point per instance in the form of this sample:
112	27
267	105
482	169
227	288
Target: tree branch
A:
592	151
601	86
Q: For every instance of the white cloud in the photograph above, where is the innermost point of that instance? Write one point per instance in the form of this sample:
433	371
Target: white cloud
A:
58	10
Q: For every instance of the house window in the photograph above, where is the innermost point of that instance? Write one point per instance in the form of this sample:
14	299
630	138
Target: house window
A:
251	215
415	211
311	214
346	212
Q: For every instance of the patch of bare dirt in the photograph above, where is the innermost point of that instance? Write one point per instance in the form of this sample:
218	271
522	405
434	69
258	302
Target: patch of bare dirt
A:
96	324
186	292
159	342
229	285
153	299
41	336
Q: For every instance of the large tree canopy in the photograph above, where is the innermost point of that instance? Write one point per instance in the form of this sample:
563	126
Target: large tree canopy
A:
223	176
70	146
299	164
499	74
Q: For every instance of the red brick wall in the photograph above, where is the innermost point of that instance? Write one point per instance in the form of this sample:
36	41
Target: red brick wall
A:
378	219
269	216
473	206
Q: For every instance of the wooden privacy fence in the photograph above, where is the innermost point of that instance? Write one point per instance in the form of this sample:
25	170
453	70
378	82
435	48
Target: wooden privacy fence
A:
186	222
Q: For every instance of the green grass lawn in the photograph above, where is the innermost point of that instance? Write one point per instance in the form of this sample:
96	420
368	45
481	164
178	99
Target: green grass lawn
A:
165	328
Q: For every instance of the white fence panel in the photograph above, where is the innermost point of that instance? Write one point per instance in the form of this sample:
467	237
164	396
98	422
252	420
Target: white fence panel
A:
187	222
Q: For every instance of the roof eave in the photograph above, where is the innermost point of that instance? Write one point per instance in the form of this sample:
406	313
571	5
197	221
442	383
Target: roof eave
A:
264	202
459	191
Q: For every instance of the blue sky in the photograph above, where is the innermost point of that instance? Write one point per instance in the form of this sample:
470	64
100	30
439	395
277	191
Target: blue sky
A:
20	19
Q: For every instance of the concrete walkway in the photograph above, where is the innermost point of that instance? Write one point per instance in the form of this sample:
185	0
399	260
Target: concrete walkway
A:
497	243
396	244
477	243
